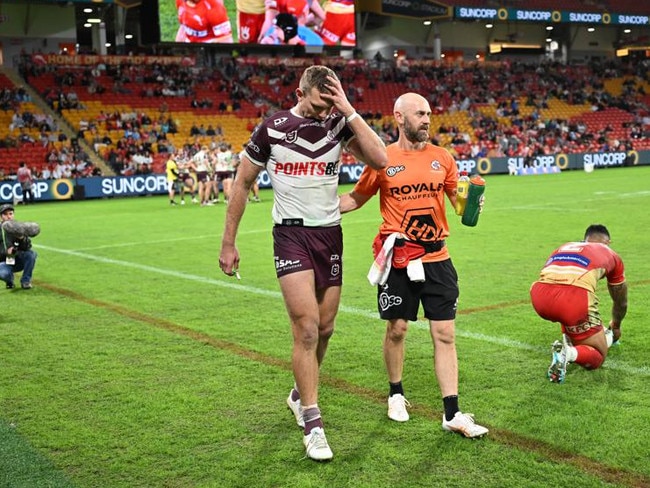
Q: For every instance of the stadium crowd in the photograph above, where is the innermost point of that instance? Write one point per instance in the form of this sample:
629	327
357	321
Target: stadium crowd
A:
484	109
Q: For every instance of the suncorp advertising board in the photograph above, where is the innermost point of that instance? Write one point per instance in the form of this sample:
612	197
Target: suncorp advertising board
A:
156	184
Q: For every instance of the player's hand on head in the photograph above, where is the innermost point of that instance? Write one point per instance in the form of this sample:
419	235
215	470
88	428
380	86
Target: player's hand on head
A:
337	96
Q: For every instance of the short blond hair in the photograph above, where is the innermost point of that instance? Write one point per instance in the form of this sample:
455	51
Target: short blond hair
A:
316	77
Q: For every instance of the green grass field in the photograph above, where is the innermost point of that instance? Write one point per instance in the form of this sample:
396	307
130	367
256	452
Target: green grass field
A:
134	362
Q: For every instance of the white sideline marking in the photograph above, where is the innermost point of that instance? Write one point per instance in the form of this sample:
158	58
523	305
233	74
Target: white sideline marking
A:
420	324
188	238
163	241
601	195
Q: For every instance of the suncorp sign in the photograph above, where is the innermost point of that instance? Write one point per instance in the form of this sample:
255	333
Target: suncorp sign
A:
476	13
135	185
605	159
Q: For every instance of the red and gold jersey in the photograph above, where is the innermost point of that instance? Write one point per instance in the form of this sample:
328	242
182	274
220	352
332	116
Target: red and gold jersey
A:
207	21
295	7
340	6
339	25
250	6
250	19
412	191
582	264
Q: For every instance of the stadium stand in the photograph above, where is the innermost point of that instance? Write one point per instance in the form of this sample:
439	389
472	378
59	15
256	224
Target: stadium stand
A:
488	108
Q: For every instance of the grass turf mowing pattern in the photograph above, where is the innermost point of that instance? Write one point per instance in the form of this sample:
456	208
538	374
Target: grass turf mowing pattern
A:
141	365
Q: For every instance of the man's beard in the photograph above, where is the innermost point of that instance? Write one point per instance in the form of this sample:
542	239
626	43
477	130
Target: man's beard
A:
413	134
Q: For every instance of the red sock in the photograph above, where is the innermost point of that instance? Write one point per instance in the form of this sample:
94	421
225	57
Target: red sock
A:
588	357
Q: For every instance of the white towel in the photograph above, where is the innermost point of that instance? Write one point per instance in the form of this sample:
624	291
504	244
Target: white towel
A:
415	270
382	264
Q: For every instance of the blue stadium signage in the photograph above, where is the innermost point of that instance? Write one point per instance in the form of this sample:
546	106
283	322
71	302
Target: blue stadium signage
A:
546	16
156	184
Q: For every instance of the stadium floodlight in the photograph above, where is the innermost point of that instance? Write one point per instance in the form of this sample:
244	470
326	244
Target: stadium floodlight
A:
489	26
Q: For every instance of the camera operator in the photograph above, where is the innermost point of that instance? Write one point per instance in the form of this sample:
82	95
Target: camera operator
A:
16	248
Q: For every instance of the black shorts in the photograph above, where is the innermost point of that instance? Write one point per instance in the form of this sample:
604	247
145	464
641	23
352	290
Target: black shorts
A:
399	297
298	248
219	176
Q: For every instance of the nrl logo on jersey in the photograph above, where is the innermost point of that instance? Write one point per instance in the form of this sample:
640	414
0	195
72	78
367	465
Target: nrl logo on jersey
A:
280	121
435	165
292	136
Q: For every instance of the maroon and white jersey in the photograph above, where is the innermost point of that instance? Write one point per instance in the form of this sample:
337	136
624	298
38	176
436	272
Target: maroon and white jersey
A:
302	158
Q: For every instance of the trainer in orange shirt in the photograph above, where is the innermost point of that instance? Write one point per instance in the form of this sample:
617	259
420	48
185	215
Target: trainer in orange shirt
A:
412	190
203	21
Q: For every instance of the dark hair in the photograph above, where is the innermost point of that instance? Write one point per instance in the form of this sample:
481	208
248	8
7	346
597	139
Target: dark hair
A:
597	229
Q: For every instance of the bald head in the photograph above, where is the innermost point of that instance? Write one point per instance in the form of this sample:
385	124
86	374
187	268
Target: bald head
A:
411	102
413	116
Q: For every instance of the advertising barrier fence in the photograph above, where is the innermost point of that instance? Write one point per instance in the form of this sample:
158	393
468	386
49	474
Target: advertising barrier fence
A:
156	184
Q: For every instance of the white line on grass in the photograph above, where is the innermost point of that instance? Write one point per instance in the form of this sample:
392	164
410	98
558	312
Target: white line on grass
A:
645	371
162	241
600	197
187	238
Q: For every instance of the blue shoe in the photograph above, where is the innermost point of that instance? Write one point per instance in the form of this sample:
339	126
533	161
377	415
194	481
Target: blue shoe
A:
557	369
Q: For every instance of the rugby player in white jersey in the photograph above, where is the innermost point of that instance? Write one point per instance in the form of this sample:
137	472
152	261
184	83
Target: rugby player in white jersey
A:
301	150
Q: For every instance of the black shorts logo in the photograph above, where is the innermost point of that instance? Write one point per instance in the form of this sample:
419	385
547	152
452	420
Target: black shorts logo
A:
386	301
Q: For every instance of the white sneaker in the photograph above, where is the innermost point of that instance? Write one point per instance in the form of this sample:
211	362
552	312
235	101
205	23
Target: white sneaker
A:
194	200
296	409
557	370
463	423
316	445
397	408
182	202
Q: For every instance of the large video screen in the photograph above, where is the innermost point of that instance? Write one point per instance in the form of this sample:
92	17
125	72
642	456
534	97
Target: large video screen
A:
260	22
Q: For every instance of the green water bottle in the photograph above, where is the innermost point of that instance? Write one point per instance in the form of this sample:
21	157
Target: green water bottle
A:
473	205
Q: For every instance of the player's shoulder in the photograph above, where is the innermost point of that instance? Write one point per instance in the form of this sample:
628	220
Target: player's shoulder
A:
282	121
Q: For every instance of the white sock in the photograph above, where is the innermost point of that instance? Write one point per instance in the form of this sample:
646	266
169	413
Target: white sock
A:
609	336
571	354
